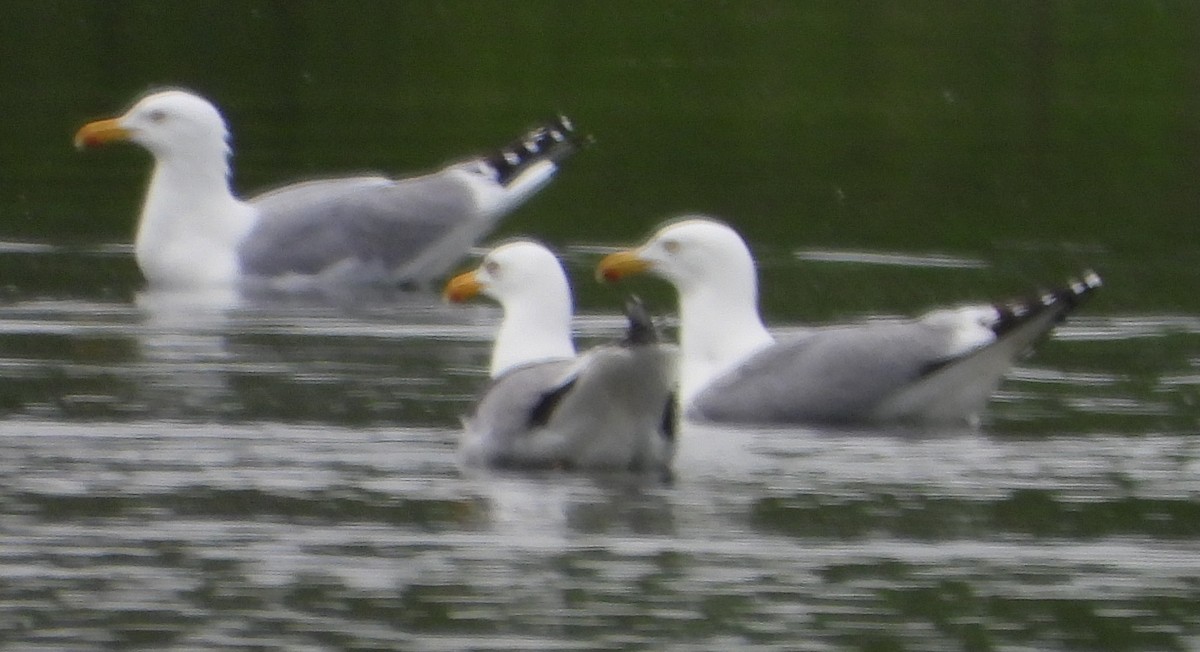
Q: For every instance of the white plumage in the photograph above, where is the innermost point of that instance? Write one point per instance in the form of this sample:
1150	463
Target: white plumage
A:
610	408
941	367
194	232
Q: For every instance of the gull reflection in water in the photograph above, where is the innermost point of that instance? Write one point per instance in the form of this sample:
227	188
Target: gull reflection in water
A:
185	361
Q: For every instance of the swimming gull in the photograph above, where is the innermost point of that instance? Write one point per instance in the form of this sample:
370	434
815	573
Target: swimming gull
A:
610	408
938	368
194	232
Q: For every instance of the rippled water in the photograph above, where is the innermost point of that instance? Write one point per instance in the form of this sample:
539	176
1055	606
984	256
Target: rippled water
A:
279	473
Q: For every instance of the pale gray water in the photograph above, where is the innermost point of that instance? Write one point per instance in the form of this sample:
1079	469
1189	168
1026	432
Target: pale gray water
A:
280	474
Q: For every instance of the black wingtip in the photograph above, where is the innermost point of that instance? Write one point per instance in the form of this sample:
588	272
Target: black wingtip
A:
544	409
553	140
1063	299
641	328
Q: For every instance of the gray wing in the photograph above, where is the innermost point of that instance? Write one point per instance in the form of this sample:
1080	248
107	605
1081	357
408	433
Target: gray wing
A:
905	371
838	374
371	223
959	388
608	409
409	230
507	412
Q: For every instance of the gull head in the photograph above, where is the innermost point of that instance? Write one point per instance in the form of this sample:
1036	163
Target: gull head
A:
690	252
531	287
520	270
167	123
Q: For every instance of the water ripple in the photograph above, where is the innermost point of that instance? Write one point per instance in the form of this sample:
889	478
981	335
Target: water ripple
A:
930	260
280	474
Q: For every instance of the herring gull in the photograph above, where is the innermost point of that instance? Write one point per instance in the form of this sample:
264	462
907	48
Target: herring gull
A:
194	232
939	368
609	408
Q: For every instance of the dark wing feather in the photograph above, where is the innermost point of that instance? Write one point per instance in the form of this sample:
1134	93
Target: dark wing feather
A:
503	417
543	409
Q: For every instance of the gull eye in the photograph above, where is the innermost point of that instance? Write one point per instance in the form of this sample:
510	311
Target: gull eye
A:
491	267
671	246
157	116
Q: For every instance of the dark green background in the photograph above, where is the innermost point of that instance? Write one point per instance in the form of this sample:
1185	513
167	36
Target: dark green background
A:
982	128
281	474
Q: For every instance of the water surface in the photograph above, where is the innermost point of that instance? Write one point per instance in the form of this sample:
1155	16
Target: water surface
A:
181	472
187	472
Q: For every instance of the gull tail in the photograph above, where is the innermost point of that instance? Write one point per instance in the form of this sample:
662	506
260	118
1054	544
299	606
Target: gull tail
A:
1057	303
552	141
641	329
960	387
641	332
